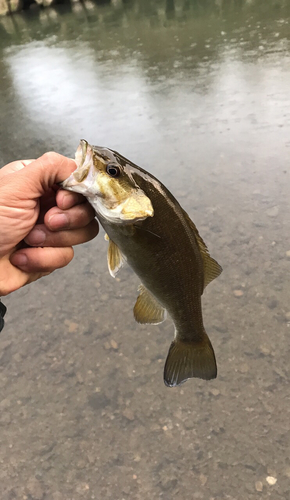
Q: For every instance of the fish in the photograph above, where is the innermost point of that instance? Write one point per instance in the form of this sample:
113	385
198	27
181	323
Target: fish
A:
146	227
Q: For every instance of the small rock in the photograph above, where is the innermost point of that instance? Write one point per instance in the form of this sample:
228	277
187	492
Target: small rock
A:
73	327
259	485
114	344
238	293
265	350
271	480
244	368
288	254
215	392
287	316
127	413
272	212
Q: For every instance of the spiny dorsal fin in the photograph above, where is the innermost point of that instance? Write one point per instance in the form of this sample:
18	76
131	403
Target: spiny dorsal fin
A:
211	267
147	309
115	257
189	359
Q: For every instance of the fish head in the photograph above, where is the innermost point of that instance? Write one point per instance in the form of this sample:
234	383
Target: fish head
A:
106	180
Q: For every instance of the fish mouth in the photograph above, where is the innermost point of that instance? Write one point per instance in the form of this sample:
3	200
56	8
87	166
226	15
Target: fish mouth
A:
79	181
81	153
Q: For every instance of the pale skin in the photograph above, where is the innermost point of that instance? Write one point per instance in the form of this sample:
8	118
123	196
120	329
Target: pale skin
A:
39	223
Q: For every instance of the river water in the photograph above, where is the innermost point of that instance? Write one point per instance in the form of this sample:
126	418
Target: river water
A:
198	93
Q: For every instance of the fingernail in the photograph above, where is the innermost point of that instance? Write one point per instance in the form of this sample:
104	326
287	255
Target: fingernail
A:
58	221
36	237
19	259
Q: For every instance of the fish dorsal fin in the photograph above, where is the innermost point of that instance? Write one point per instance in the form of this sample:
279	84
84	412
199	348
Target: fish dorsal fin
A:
147	309
115	257
210	266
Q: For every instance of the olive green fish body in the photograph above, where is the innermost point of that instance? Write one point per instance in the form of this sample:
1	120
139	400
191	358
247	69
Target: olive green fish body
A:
169	262
147	227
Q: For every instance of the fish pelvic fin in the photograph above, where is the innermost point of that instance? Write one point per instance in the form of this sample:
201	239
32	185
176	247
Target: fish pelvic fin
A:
115	257
188	360
147	309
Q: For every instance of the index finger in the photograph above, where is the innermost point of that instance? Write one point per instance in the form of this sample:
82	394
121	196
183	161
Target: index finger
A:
14	166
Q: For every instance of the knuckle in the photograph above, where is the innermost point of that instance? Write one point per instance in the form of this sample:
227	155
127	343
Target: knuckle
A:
51	157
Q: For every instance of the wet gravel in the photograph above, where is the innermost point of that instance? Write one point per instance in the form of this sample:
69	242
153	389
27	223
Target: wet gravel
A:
84	413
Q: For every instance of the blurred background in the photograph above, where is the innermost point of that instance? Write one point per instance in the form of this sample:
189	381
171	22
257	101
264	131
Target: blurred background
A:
198	93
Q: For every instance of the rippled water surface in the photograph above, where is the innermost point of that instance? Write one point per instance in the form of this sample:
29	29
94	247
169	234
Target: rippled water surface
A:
198	93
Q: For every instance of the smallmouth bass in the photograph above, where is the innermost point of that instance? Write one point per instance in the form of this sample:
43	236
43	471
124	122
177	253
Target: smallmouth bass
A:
146	226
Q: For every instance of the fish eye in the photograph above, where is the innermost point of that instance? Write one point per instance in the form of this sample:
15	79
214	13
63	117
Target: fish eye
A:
113	170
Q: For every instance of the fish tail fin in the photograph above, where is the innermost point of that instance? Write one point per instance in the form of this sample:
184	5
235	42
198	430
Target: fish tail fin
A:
189	359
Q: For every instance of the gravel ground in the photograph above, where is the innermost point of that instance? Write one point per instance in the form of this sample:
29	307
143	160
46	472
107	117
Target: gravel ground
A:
84	413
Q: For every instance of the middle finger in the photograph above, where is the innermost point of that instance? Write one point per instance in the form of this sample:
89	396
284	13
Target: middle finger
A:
74	218
41	236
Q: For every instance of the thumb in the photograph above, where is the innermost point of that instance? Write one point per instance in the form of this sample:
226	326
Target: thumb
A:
41	174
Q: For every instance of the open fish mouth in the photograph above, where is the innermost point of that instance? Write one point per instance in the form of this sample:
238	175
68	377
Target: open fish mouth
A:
82	178
81	153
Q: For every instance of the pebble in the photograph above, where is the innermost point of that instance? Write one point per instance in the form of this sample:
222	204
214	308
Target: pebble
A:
271	480
114	344
259	485
215	392
272	212
72	327
238	293
288	254
265	350
244	368
287	316
127	413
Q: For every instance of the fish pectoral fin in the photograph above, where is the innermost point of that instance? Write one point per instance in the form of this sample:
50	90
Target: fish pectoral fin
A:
189	359
211	267
115	258
137	206
147	309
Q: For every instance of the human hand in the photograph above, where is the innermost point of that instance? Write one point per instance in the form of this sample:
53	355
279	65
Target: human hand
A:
34	211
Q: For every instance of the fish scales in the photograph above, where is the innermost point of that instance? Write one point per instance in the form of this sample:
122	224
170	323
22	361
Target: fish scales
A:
147	227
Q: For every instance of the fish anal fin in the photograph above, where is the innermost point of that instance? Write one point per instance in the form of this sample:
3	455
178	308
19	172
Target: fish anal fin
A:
188	360
210	266
147	309
115	258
